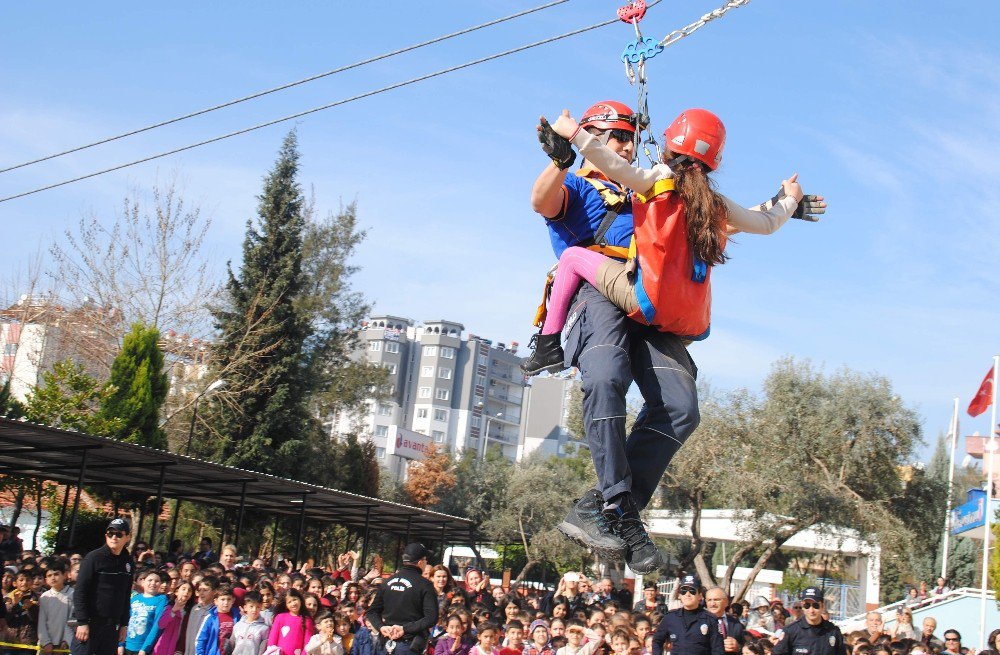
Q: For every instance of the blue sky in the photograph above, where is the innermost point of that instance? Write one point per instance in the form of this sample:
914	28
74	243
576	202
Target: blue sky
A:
890	109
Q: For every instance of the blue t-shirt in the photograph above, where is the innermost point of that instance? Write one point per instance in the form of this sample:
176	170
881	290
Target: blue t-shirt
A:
143	619
583	215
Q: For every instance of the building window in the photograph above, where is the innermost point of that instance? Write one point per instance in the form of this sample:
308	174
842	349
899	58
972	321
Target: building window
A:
381	430
438	436
375	346
447	353
391	368
425	392
440	414
444	373
477	421
480	380
421	413
380	453
430	351
391	347
442	394
483	360
427	372
385	410
10	349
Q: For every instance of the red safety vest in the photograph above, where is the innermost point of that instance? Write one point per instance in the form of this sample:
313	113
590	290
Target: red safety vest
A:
673	287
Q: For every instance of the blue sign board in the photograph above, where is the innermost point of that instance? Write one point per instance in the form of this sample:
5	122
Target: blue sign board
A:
970	514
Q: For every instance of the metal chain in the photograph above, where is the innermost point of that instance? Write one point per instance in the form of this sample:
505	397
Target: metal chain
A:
688	30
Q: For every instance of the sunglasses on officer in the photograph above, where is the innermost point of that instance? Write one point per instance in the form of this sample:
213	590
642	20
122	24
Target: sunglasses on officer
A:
687	591
115	534
810	605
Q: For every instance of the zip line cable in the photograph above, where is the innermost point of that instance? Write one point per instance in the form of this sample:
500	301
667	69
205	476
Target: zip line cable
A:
289	85
314	110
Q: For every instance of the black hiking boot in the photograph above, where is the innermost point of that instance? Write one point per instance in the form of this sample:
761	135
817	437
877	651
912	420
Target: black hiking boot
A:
547	355
642	555
587	525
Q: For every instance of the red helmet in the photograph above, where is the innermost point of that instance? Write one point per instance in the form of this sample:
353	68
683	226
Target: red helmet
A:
609	115
699	134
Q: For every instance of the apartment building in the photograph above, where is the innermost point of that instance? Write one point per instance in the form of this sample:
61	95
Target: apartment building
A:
547	405
460	390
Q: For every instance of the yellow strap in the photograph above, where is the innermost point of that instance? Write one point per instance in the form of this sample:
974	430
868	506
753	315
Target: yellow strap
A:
611	199
543	308
632	248
34	647
618	252
660	186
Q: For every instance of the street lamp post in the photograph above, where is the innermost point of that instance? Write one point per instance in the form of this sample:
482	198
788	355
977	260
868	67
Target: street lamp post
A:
486	435
210	389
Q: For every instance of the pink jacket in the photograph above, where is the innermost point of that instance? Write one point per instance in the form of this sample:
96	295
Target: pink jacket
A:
290	633
170	626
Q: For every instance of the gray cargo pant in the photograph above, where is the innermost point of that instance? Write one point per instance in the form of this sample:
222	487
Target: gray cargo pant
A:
611	352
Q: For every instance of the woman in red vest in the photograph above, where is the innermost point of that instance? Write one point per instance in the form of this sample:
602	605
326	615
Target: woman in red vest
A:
681	229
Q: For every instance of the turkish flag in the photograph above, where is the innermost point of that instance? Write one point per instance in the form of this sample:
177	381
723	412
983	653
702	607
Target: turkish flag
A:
984	397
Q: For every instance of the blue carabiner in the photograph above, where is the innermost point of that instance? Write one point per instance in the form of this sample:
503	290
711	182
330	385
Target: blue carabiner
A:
640	49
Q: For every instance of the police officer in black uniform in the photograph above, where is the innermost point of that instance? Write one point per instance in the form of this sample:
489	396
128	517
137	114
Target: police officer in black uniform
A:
811	634
101	595
691	629
405	607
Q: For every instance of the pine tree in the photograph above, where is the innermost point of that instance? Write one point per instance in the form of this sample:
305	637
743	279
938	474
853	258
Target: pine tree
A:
138	388
9	405
266	426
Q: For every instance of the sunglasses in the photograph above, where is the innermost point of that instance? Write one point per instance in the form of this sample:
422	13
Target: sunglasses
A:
116	534
687	591
809	605
622	135
950	639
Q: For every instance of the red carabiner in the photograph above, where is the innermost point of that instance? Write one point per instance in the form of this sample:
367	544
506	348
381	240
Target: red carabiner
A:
633	11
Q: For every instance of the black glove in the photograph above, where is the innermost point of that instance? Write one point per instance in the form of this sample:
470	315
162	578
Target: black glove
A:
810	207
559	150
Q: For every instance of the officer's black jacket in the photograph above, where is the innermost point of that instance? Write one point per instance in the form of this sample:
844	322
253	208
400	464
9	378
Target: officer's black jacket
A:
103	587
801	638
693	632
407	599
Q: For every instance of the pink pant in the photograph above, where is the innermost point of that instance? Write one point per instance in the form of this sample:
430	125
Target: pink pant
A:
576	265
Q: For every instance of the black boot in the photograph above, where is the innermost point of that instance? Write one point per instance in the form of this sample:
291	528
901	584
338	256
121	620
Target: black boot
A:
587	525
548	355
642	555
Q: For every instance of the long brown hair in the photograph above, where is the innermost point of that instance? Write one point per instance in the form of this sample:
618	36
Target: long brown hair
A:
704	209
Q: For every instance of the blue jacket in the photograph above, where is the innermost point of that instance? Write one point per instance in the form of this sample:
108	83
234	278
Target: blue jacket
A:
363	643
208	635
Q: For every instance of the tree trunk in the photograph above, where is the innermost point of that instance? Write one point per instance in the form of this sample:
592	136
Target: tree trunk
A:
771	549
524	571
18	504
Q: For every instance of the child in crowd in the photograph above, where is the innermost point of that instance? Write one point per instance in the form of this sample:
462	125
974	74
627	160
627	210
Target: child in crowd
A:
54	609
513	638
218	626
619	642
173	621
22	611
488	637
205	587
144	615
251	632
363	643
538	639
574	640
291	629
342	627
453	642
325	641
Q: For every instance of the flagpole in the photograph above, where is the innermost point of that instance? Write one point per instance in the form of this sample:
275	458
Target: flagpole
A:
951	484
990	448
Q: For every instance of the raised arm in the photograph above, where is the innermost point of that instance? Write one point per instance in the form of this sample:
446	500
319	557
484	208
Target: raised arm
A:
768	221
604	158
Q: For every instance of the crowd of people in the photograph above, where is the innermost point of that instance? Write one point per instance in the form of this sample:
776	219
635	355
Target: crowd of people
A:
209	603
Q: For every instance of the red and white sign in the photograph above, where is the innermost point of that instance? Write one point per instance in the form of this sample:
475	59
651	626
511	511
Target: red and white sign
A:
407	443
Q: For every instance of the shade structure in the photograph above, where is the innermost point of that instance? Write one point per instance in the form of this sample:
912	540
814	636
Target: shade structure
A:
44	452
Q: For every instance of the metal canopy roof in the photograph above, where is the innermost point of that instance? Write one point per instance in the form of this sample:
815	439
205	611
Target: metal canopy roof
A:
40	451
